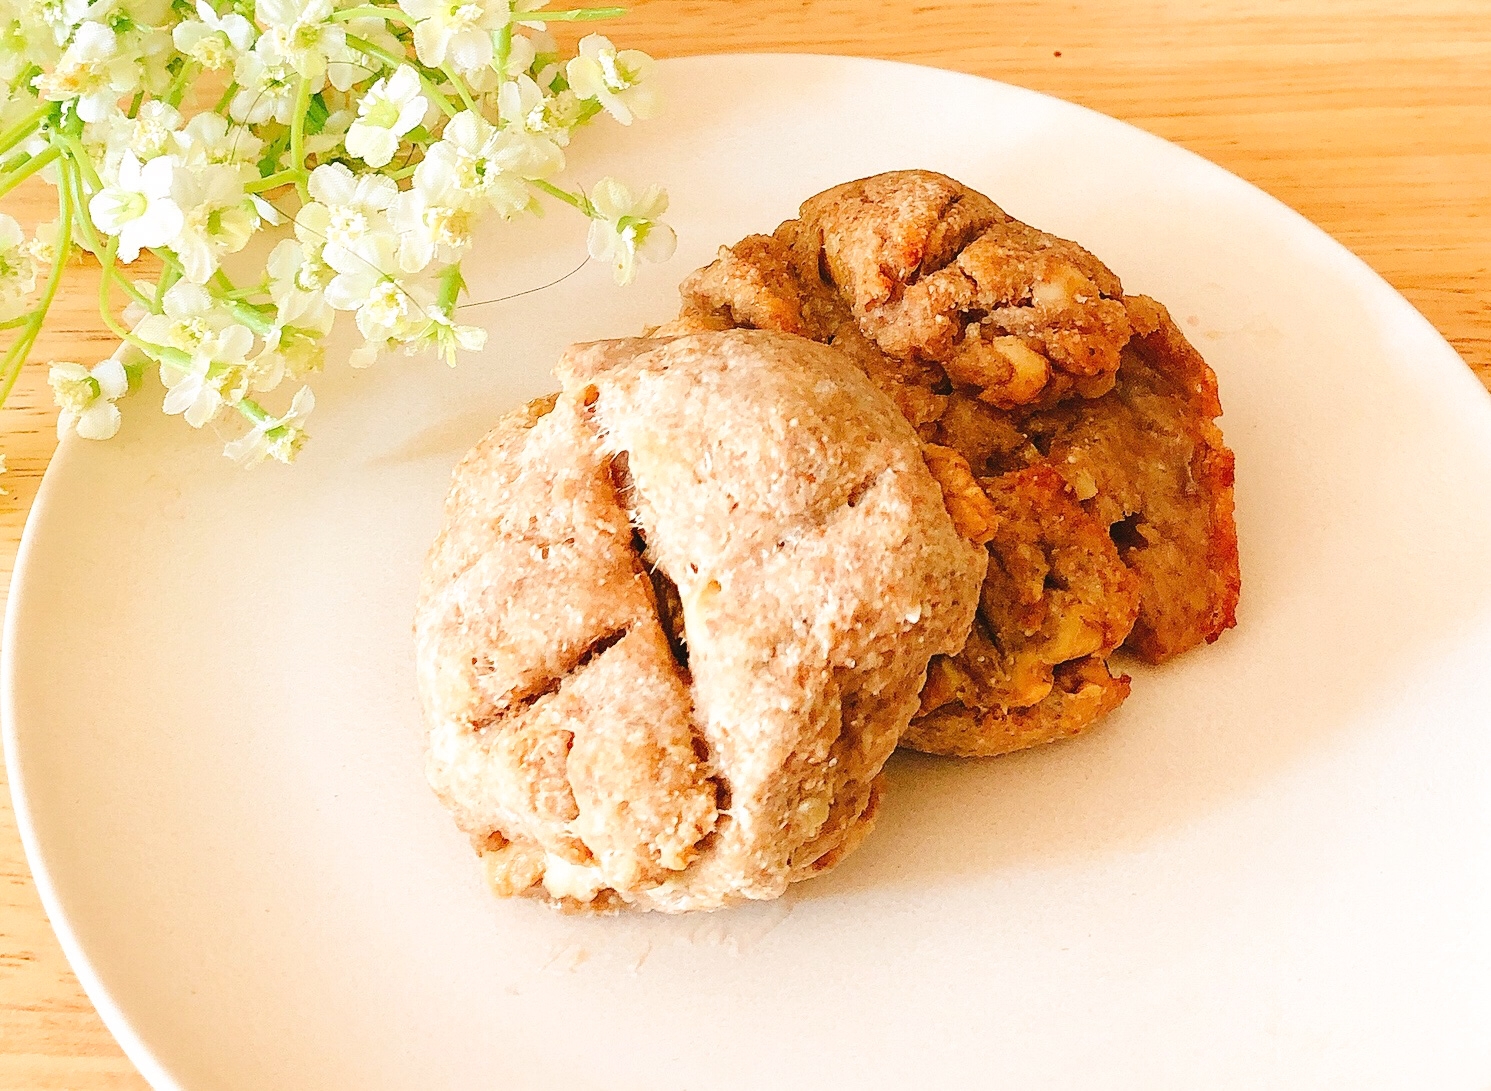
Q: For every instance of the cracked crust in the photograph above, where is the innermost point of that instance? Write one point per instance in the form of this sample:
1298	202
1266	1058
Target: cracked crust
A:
677	619
1015	349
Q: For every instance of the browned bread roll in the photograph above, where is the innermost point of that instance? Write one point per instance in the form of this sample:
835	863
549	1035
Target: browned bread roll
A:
679	616
1018	351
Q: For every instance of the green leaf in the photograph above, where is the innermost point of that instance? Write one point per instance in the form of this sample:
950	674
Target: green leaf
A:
315	118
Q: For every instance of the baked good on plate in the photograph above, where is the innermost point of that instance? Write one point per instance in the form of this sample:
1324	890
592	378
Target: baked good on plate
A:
1082	414
677	618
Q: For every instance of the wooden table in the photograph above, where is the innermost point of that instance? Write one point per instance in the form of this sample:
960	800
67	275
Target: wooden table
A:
1371	117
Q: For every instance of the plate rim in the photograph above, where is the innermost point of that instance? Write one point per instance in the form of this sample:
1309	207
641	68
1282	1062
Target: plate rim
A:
1451	365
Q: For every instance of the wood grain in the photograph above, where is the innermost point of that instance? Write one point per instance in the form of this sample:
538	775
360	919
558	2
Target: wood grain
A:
1371	117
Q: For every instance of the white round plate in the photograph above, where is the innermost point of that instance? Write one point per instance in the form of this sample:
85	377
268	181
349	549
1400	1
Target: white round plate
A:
1270	868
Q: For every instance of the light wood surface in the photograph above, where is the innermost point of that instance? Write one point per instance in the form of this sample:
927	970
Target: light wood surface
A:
1371	117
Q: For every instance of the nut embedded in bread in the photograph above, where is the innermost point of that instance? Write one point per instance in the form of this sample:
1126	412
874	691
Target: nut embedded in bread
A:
678	618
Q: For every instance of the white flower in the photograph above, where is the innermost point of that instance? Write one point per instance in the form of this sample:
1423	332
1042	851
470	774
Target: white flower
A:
431	225
211	138
18	269
302	316
524	110
484	165
346	208
615	80
367	282
42	247
219	218
138	207
279	438
267	90
214	343
61	16
295	271
300	34
86	397
213	41
521	53
625	227
152	131
446	337
349	65
390	109
92	70
459	31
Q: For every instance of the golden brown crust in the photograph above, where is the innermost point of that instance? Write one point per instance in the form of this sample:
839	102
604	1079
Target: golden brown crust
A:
932	270
1017	349
675	624
1151	461
1055	593
1084	692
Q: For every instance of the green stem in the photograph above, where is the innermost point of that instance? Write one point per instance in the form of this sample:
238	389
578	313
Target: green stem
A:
574	15
11	367
362	45
455	81
371	11
32	166
503	50
72	178
80	158
574	200
274	181
297	132
129	288
222	103
25	127
168	277
252	410
107	262
177	90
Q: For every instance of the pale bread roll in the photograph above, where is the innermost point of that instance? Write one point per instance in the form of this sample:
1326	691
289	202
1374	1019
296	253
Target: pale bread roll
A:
677	620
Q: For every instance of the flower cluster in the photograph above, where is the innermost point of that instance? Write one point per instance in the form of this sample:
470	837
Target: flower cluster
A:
370	138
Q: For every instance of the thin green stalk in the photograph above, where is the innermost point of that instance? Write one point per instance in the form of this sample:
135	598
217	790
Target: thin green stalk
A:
25	127
32	166
177	90
73	179
168	277
75	151
18	320
362	45
574	200
251	409
274	181
130	290
163	354
228	93
11	368
371	11
574	15
503	50
297	132
456	82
